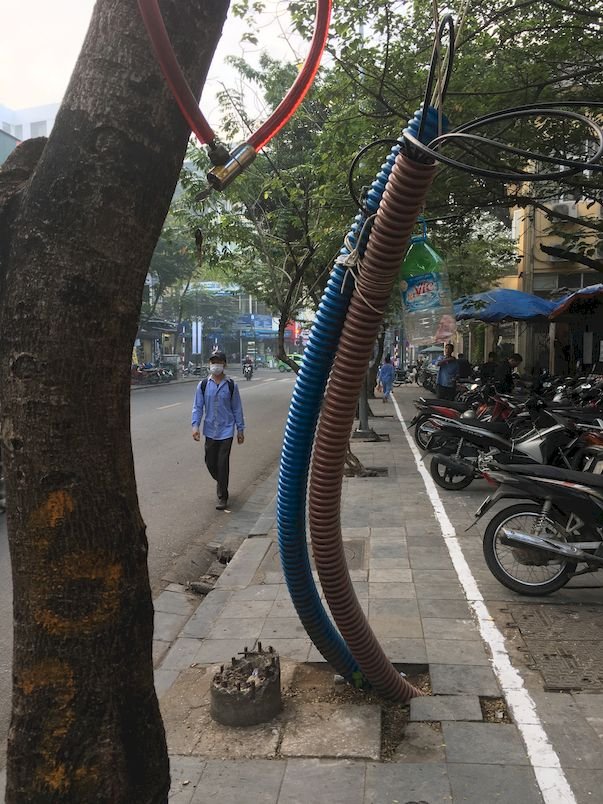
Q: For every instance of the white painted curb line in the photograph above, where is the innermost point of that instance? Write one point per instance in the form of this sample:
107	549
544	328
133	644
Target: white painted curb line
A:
550	777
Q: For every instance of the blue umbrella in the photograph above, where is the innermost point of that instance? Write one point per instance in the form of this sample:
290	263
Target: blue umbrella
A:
501	304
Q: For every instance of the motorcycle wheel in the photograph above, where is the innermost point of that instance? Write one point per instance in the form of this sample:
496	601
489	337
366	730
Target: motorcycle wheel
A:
519	569
420	436
446	479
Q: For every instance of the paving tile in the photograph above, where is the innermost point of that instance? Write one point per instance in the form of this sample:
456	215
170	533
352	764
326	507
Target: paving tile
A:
166	627
181	655
456	651
450	628
390	576
323	780
233	782
297	649
164	680
248	629
435	576
283	608
246	609
456	609
392	591
219	651
333	730
387	550
446	707
446	590
176	603
400	608
185	773
241	570
406	782
256	592
423	742
503	784
385	626
451	679
282	628
160	648
402	650
202	621
484	743
388	563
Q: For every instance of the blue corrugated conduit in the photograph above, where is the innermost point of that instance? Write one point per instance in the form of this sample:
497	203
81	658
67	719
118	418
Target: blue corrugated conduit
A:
301	425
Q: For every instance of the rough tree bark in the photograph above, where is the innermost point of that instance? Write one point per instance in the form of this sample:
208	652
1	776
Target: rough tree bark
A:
76	241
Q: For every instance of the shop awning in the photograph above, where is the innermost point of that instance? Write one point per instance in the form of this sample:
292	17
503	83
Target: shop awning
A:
501	304
567	302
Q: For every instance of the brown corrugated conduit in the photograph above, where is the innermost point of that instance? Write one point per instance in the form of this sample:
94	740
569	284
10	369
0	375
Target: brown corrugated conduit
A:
376	275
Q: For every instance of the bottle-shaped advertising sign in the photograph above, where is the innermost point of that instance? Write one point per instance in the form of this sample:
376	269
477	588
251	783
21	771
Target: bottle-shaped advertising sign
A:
426	299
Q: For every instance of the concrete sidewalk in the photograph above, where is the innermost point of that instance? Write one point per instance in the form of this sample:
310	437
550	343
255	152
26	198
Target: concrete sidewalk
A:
332	744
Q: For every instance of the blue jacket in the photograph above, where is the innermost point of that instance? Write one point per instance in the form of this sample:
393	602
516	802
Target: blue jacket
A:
221	412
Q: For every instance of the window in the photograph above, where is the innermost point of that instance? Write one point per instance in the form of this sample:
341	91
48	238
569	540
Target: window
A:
38	129
545	282
572	281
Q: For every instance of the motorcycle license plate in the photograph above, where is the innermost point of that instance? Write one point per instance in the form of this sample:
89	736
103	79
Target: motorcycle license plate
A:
482	507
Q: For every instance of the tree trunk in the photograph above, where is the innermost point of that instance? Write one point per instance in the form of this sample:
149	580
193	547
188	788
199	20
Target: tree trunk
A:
76	244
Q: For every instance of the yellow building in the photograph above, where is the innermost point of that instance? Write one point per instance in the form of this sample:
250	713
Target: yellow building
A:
544	345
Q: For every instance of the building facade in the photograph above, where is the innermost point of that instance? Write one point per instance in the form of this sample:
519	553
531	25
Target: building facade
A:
25	124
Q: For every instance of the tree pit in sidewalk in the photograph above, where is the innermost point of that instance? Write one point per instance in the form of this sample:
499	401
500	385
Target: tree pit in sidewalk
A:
314	683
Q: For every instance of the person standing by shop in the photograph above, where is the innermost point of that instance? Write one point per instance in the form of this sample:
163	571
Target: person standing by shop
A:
218	398
448	371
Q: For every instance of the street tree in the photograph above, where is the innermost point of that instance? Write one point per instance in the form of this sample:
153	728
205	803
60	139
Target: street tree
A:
80	215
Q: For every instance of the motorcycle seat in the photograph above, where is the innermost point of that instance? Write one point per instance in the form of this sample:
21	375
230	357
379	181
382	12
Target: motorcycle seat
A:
553	473
500	428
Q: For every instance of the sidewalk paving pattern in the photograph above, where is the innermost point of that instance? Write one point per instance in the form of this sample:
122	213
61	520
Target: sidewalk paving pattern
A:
458	744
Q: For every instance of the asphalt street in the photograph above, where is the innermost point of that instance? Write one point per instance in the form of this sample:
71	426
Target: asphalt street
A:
176	494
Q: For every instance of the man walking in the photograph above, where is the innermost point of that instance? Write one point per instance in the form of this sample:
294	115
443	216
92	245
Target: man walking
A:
448	371
218	396
386	378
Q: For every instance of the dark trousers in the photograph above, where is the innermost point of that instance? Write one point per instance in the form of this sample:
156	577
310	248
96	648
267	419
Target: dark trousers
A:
217	460
446	393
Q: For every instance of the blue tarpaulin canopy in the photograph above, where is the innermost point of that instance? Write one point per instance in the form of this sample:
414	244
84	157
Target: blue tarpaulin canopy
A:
565	304
501	304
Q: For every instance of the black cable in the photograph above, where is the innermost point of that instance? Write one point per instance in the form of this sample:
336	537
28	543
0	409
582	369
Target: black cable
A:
447	22
386	141
536	110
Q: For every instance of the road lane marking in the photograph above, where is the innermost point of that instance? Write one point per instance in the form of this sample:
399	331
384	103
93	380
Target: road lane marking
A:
543	758
173	405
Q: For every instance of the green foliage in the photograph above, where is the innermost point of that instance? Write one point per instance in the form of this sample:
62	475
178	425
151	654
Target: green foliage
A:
276	229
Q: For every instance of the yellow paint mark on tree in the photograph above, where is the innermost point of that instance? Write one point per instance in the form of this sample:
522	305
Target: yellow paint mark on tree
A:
83	567
53	511
56	778
58	677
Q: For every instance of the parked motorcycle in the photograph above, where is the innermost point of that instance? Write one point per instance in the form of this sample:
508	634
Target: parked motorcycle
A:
555	533
546	438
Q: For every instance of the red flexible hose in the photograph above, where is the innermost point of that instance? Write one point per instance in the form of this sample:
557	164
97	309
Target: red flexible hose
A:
160	40
397	215
153	20
286	108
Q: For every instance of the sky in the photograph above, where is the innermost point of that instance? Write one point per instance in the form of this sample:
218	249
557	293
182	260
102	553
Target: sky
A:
40	41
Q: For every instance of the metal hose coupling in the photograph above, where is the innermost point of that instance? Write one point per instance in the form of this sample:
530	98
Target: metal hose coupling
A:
376	274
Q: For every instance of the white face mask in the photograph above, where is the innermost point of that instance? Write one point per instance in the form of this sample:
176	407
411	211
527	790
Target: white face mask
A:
216	368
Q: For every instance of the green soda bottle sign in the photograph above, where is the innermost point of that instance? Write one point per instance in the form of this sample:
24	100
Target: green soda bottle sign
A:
426	299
